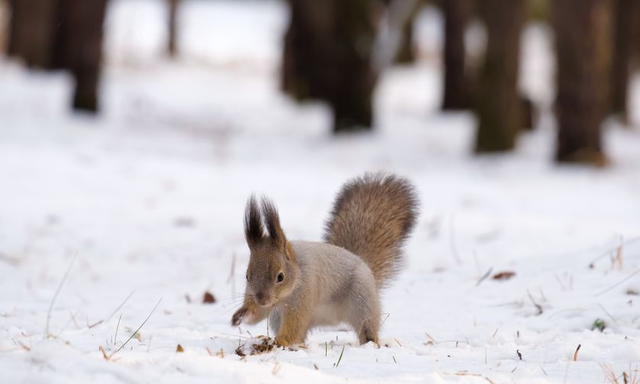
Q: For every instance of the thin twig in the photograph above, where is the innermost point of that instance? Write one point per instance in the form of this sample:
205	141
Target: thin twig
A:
120	306
136	331
462	373
55	296
538	306
74	320
452	240
115	338
613	249
114	311
608	314
385	319
231	279
618	283
484	277
340	358
575	354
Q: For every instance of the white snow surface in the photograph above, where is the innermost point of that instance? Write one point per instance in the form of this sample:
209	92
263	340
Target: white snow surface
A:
149	197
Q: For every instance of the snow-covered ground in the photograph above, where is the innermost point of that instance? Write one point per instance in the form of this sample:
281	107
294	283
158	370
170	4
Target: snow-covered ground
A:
149	196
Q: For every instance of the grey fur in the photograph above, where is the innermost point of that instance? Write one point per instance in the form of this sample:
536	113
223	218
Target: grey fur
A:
337	286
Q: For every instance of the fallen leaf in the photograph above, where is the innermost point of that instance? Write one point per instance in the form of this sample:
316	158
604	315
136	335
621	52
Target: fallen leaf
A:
208	298
504	275
179	348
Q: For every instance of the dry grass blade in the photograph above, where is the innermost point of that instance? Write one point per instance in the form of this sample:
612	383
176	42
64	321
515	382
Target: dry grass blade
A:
55	296
609	373
618	283
538	306
104	354
115	337
21	345
136	331
627	378
575	354
463	373
112	313
484	277
340	358
614	249
119	306
452	242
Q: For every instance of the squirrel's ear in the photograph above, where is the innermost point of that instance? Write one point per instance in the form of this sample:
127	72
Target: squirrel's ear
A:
272	219
253	229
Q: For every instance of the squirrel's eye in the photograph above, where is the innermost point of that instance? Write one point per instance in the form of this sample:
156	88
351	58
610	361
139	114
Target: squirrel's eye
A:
280	277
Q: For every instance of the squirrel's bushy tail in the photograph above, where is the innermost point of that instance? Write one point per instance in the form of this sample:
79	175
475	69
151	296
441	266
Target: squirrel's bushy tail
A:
371	217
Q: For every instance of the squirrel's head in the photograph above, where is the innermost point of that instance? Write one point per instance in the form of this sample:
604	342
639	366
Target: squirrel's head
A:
273	270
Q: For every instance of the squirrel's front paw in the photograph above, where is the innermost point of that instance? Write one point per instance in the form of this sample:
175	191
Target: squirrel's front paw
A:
282	341
243	314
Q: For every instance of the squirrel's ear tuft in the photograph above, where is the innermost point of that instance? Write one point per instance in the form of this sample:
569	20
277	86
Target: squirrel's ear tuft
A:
253	229
272	219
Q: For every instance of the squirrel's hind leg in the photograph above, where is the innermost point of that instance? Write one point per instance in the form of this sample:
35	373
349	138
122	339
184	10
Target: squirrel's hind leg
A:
364	309
368	326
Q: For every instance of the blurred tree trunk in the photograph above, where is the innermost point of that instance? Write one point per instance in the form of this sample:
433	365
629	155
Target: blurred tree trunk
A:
303	52
527	113
172	48
624	15
327	56
456	15
31	31
79	48
635	50
407	50
61	34
496	97
583	46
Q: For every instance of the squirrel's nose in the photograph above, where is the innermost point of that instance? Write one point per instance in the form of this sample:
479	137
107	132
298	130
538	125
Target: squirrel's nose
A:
260	298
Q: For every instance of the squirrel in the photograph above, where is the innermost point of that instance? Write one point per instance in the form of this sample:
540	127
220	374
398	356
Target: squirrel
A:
301	285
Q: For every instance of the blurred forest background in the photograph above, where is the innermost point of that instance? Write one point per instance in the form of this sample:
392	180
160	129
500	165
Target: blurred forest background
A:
133	131
335	50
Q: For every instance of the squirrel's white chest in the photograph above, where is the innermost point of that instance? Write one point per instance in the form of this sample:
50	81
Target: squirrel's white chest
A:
329	314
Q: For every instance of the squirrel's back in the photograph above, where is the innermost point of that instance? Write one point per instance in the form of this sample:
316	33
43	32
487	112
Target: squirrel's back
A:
372	216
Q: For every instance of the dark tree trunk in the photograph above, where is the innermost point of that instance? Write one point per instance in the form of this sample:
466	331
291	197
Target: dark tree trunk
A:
172	48
496	97
407	50
327	56
456	14
527	113
583	46
635	38
61	34
623	24
79	48
32	27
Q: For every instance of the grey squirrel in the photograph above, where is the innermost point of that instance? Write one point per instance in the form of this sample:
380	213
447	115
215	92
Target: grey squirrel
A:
301	285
